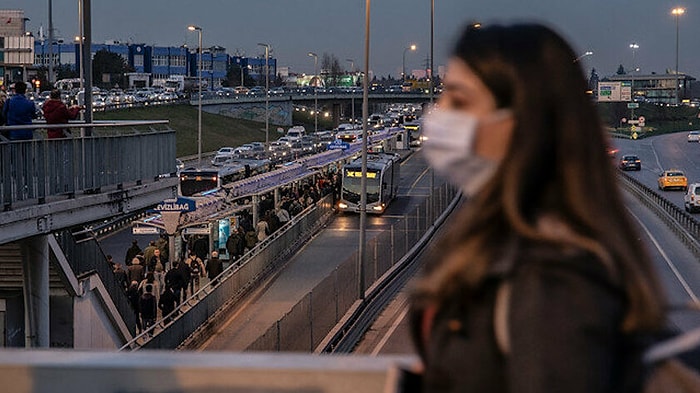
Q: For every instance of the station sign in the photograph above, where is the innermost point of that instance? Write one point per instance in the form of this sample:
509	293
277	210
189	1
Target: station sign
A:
633	105
182	205
196	231
145	231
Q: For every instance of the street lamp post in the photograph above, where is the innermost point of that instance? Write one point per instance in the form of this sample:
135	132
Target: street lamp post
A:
634	46
315	56
352	92
588	53
267	93
412	48
677	12
199	104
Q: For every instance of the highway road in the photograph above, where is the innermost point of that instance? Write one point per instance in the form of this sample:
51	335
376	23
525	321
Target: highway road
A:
676	266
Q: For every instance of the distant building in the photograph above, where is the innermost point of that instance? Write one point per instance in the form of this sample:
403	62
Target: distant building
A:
656	88
17	47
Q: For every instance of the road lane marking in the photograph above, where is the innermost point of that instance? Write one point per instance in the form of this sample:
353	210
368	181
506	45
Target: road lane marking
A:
670	264
653	150
392	329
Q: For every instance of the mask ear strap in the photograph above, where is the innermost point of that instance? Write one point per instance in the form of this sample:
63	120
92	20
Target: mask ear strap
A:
500	114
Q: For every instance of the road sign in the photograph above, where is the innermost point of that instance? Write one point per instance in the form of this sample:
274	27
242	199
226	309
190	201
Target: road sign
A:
635	135
632	105
633	128
338	145
180	204
641	119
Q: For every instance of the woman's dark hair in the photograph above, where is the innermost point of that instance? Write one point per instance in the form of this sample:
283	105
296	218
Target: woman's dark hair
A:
556	166
55	94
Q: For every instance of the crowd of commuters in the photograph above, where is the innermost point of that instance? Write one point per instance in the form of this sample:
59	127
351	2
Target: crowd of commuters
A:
152	283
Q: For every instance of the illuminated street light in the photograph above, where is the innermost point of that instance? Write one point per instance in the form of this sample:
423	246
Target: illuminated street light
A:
588	53
199	105
677	12
315	56
412	48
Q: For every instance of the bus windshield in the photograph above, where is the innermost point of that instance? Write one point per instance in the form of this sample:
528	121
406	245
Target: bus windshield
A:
352	187
195	182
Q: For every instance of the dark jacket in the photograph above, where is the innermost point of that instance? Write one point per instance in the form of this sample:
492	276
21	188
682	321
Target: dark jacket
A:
121	277
175	280
214	267
131	253
235	244
564	324
56	112
167	301
19	110
136	273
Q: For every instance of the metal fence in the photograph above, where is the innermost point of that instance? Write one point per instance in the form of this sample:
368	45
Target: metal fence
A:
87	256
211	300
684	225
121	153
312	318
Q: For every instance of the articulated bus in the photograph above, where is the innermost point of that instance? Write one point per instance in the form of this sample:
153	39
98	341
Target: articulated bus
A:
198	181
383	176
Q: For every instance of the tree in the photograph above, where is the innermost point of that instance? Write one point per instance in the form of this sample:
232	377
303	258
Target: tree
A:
233	77
331	66
65	71
108	69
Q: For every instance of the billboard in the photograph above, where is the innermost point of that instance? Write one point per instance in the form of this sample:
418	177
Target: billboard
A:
19	50
614	91
11	23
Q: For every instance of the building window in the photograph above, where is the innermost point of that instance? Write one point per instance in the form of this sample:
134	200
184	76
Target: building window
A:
138	60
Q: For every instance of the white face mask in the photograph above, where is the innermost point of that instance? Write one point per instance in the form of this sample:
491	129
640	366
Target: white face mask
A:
448	146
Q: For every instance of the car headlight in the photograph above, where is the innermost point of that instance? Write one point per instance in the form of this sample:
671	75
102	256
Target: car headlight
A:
342	205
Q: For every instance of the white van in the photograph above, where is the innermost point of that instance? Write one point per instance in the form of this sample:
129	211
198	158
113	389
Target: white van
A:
295	133
691	200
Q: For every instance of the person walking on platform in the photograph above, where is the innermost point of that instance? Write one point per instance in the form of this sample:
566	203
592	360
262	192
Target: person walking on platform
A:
136	272
148	306
175	280
539	283
167	303
235	245
156	265
148	253
133	295
120	276
214	267
132	252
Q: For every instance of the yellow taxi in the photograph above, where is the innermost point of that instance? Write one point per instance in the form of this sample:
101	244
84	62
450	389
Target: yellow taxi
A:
673	178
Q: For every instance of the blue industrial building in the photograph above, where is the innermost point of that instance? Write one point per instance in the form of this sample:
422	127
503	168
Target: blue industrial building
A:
160	62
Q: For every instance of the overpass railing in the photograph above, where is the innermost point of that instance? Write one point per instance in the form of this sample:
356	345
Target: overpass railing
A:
117	152
85	256
310	320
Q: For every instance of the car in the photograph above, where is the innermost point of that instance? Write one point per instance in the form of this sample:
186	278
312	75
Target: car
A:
691	200
225	151
256	91
240	90
286	140
673	178
694	136
630	161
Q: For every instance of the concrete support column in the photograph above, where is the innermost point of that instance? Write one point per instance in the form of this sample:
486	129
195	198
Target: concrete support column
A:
277	196
35	270
256	208
336	114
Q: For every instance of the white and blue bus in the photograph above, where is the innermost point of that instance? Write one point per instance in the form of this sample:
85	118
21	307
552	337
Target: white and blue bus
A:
197	181
383	177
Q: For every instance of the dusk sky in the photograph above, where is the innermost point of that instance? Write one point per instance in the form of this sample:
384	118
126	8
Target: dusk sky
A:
296	27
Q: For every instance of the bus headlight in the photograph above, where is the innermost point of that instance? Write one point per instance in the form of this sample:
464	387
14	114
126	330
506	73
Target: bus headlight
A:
378	208
342	205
